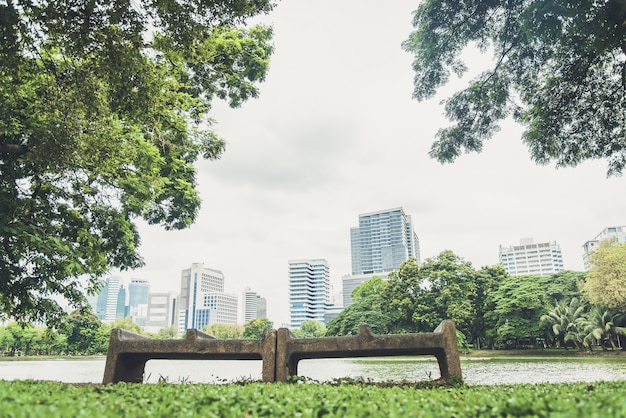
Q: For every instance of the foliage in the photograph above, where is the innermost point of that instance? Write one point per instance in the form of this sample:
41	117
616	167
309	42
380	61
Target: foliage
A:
28	398
566	320
225	331
606	280
417	298
601	324
168	333
559	68
373	286
255	329
127	324
103	111
310	329
370	310
520	302
85	333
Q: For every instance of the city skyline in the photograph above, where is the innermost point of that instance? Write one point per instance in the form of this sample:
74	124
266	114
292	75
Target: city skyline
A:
335	133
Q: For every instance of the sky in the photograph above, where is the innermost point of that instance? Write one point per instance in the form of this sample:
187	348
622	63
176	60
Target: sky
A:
334	134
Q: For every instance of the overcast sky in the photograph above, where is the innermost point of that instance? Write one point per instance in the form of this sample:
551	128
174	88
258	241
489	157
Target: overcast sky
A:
334	134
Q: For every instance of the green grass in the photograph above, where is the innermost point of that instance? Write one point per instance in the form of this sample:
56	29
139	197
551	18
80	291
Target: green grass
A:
52	399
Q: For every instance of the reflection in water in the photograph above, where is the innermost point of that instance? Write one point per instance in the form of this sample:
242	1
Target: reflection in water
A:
475	370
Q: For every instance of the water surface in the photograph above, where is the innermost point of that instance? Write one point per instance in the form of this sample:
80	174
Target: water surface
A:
476	371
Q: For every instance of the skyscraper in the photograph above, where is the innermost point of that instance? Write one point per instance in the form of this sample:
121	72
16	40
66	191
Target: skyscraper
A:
202	300
254	306
530	258
138	291
309	290
382	241
615	233
111	301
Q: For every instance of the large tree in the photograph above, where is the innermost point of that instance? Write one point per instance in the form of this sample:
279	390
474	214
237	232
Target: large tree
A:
606	280
103	111
559	68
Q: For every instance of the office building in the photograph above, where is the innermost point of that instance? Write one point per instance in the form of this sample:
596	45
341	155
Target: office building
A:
309	290
616	234
254	306
161	311
530	258
202	300
111	300
382	241
138	291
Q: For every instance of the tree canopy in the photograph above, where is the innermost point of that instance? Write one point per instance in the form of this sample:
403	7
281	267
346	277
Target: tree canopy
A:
104	108
559	69
606	280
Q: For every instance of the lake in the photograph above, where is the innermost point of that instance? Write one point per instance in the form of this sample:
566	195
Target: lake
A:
476	371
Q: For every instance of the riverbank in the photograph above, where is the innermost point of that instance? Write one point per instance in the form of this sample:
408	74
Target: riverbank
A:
548	352
52	399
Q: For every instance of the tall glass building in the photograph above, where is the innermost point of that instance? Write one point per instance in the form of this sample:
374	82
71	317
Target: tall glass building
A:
138	291
309	290
382	241
111	300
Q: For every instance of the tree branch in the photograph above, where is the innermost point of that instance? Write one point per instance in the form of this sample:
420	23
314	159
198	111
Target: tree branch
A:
15	149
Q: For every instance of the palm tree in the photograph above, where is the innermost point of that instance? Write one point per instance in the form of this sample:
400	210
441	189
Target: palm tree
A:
600	324
565	319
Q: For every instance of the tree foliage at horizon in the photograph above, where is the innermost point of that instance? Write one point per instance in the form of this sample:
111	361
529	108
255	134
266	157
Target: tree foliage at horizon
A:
488	305
104	108
606	282
559	69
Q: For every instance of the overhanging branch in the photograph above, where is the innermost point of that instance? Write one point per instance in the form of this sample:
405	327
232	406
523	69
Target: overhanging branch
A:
14	149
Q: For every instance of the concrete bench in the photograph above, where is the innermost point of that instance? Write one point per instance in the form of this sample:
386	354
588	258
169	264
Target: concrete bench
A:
279	350
128	353
442	343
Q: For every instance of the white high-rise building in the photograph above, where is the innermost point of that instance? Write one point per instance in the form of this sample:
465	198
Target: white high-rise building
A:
309	290
616	234
254	306
530	258
202	300
161	311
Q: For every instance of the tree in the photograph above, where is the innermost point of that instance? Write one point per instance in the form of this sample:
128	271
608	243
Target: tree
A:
225	331
127	324
486	281
443	287
518	304
371	310
599	324
372	286
168	333
606	280
310	329
255	329
559	69
565	319
103	112
7	342
86	334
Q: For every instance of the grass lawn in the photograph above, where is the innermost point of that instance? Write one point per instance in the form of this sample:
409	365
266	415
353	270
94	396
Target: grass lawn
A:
52	399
